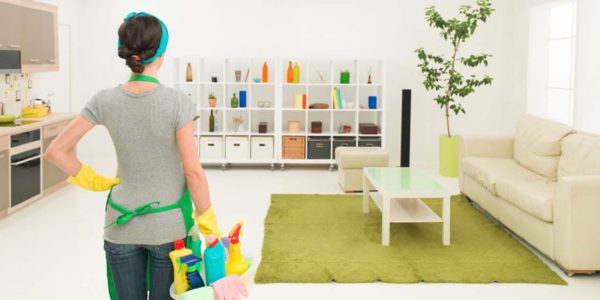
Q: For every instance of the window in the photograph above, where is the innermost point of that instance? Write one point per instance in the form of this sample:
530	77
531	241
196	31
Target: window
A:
551	61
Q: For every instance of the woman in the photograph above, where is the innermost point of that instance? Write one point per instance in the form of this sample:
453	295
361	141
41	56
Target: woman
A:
149	205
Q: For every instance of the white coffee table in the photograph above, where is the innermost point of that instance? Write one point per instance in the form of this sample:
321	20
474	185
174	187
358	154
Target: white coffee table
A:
397	192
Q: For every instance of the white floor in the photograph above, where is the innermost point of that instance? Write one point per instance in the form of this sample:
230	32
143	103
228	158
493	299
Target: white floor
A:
53	248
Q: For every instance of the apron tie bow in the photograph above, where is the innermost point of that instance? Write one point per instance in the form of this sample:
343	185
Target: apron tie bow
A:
125	217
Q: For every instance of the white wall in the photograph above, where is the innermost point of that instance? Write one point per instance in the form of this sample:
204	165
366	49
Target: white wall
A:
386	29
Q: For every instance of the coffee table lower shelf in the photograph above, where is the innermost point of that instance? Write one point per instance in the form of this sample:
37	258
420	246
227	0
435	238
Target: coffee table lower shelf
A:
411	210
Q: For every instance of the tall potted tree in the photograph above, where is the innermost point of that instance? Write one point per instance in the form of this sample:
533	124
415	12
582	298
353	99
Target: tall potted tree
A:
444	75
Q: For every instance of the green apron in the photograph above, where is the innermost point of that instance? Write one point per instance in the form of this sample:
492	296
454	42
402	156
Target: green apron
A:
184	203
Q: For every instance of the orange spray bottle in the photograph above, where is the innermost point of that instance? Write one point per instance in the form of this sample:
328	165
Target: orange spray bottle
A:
290	73
236	264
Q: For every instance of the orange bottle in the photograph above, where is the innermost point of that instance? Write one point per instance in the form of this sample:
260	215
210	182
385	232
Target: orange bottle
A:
265	73
290	73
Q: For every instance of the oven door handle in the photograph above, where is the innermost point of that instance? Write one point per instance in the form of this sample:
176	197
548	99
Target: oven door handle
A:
25	160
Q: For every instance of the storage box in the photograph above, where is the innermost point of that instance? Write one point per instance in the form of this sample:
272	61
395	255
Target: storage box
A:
293	147
211	147
344	141
262	127
369	142
261	148
368	128
293	126
237	148
319	148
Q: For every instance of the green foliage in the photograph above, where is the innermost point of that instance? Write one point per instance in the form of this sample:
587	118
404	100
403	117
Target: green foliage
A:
441	74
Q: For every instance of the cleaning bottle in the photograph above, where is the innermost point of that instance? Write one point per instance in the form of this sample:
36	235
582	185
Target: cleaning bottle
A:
211	122
290	73
236	264
265	73
296	73
192	274
181	284
214	260
196	247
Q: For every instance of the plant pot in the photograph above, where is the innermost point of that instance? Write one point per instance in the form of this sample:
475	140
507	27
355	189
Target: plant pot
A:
212	102
449	156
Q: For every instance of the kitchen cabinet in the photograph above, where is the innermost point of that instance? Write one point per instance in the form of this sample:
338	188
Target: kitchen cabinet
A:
31	27
51	175
4	175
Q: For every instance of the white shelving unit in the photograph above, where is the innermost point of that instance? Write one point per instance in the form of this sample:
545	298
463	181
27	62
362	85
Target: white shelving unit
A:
318	78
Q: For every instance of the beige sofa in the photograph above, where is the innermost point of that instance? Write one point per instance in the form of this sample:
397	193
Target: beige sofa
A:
543	184
352	160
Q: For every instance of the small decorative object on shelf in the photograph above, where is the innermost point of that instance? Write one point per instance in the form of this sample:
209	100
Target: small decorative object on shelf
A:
214	79
256	80
296	73
265	72
345	129
247	75
261	104
211	122
370	80
234	101
238	123
267	104
238	75
303	101
293	126
368	128
344	76
290	73
321	77
372	102
212	100
242	98
188	73
298	101
262	127
316	127
337	98
319	106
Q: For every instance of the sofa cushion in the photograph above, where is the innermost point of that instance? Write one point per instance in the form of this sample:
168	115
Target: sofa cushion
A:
537	144
486	171
536	197
580	155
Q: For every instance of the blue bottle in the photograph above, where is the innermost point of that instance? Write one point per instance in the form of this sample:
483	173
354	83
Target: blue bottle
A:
214	260
242	98
372	102
193	275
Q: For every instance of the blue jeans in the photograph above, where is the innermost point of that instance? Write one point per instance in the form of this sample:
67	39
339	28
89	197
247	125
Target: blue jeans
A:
128	264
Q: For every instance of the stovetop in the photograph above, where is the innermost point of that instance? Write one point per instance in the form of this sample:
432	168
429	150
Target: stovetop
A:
18	123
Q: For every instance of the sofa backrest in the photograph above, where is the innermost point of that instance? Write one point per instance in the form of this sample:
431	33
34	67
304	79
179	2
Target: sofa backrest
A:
580	155
537	144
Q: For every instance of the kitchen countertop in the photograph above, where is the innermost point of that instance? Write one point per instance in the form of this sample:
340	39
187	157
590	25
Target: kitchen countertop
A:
51	118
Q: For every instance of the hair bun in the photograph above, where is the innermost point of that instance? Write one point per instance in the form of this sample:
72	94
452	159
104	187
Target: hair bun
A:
135	63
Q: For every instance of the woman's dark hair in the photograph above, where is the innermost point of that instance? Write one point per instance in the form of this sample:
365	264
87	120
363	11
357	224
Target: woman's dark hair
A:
140	38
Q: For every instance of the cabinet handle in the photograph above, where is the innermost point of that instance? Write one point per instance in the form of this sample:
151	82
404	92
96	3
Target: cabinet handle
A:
14	46
34	60
25	160
52	60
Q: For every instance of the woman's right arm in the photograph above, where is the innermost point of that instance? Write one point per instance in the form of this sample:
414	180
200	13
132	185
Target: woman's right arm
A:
195	178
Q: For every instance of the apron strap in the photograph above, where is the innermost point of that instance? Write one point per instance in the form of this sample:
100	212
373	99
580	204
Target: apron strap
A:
148	208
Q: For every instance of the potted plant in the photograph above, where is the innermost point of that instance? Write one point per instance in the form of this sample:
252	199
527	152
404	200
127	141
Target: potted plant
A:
444	74
212	100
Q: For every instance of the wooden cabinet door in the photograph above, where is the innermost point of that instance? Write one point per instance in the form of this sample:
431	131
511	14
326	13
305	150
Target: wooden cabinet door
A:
38	37
4	167
51	175
9	26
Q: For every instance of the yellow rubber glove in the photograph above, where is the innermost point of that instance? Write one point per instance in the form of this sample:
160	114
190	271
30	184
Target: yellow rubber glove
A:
207	223
90	180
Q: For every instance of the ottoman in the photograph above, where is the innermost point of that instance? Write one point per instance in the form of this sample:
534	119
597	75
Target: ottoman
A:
352	160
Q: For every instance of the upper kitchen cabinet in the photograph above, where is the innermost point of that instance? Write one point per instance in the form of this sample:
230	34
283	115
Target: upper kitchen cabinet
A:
31	27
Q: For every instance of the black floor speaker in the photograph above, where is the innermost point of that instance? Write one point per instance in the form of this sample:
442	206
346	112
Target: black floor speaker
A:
405	131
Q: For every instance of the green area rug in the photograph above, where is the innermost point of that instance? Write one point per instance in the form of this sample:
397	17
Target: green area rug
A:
324	238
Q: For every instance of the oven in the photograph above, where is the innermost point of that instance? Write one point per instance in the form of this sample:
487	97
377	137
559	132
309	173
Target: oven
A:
25	167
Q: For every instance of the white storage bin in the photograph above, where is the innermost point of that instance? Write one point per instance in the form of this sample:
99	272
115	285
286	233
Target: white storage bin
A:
211	147
237	148
262	148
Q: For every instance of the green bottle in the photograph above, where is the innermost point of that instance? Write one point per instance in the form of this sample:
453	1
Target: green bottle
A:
234	101
296	73
211	122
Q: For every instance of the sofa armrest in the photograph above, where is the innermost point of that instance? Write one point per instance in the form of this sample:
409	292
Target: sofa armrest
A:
577	223
486	146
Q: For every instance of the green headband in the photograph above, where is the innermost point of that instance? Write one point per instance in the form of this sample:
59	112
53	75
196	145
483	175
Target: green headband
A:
164	38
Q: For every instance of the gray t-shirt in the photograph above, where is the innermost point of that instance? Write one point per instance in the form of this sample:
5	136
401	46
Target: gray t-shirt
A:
142	127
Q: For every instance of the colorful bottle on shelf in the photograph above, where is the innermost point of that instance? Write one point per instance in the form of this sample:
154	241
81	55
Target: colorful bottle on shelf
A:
290	73
234	101
188	73
179	269
211	122
296	73
214	260
265	72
